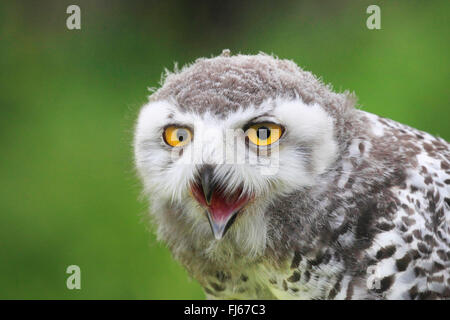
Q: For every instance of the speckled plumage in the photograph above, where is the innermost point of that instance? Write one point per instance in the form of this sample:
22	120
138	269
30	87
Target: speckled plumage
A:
359	208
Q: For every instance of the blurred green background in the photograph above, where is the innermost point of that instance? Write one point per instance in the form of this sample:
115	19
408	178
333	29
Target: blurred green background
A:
68	191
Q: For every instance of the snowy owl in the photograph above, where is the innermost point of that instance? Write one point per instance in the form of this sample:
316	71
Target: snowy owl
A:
264	183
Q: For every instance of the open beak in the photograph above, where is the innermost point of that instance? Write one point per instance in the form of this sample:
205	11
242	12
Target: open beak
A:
221	209
219	228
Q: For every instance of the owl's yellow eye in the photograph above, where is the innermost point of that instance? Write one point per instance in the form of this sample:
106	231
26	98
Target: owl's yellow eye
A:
177	136
264	134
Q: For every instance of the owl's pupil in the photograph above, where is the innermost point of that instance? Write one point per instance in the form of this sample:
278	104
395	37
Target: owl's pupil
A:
263	133
181	135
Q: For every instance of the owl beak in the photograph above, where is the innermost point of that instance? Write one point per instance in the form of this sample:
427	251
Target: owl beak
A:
206	179
221	208
219	228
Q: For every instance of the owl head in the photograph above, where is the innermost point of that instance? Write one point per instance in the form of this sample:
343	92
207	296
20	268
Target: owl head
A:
225	138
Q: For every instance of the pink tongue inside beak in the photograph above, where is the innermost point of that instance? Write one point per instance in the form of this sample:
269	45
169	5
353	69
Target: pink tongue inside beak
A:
222	208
